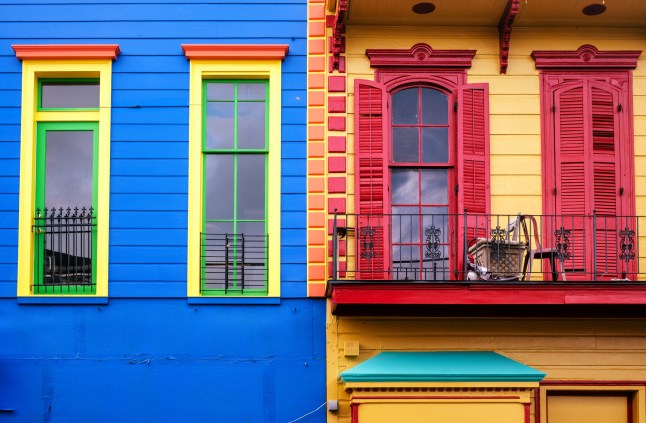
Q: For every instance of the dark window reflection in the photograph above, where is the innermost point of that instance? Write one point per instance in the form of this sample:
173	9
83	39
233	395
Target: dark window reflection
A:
218	186
405	186
251	125
220	129
220	91
405	145
435	108
68	169
251	187
435	145
434	186
251	91
61	95
405	106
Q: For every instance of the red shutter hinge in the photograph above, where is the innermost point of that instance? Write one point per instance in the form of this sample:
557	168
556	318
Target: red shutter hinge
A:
620	108
621	191
456	189
553	108
455	106
555	191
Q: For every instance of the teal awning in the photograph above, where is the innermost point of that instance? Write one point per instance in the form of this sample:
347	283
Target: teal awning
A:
441	366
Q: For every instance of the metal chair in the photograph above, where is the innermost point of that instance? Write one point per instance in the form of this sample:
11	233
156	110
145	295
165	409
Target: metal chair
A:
538	251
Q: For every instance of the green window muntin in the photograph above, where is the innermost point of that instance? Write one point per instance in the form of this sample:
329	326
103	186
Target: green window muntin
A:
234	240
65	213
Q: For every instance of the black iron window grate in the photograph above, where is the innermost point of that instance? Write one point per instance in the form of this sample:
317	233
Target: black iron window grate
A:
64	249
234	263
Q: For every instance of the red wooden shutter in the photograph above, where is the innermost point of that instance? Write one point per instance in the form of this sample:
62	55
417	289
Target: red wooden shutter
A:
473	164
570	172
371	180
588	175
605	175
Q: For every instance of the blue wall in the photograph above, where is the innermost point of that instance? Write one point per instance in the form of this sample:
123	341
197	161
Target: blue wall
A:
148	354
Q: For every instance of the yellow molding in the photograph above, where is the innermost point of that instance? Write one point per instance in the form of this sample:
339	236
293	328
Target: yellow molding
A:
32	71
269	70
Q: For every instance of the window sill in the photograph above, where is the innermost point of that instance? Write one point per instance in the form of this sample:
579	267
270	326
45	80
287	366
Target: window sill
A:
52	300
234	300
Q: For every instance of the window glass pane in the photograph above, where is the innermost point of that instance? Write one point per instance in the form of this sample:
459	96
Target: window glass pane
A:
435	186
405	224
66	96
252	91
435	145
251	125
251	186
435	107
406	264
218	186
68	169
219	91
405	186
218	228
405	145
435	222
220	130
405	106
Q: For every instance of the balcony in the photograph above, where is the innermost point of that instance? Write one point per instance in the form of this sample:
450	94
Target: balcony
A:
64	249
427	262
234	264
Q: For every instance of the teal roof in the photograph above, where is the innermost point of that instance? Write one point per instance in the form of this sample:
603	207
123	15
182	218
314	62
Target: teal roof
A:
441	366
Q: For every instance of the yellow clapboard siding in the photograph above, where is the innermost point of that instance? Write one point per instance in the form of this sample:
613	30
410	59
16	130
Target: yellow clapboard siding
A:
515	124
525	144
515	165
477	326
513	84
518	185
479	343
516	104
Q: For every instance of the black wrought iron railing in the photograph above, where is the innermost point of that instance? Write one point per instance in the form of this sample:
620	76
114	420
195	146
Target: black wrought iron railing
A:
234	263
442	247
64	250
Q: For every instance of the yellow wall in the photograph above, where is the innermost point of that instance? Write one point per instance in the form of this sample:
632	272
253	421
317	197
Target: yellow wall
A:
565	349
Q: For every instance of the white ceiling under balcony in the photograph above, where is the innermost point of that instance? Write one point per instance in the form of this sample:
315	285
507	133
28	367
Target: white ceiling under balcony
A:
559	13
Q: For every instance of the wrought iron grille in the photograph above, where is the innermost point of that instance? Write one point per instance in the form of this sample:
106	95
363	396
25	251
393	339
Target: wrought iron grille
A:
441	247
234	263
64	249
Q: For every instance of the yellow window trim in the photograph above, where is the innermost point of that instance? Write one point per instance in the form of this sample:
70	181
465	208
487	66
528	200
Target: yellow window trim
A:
32	71
269	70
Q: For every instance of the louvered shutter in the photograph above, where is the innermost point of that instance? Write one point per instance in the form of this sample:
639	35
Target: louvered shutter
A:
371	180
570	171
605	174
588	175
473	164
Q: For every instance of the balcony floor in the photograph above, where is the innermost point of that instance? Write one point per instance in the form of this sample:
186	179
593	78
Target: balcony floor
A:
467	298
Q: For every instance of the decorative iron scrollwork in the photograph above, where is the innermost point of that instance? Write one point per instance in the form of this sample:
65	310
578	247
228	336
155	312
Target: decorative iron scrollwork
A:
563	243
433	243
367	242
627	244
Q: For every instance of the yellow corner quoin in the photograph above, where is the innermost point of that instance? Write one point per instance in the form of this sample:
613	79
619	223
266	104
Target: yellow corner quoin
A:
32	71
204	69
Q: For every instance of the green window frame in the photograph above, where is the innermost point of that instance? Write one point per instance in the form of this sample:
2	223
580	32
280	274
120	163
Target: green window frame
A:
235	149
65	234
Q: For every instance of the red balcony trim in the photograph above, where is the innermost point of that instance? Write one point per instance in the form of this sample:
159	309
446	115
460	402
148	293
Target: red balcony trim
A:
397	293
